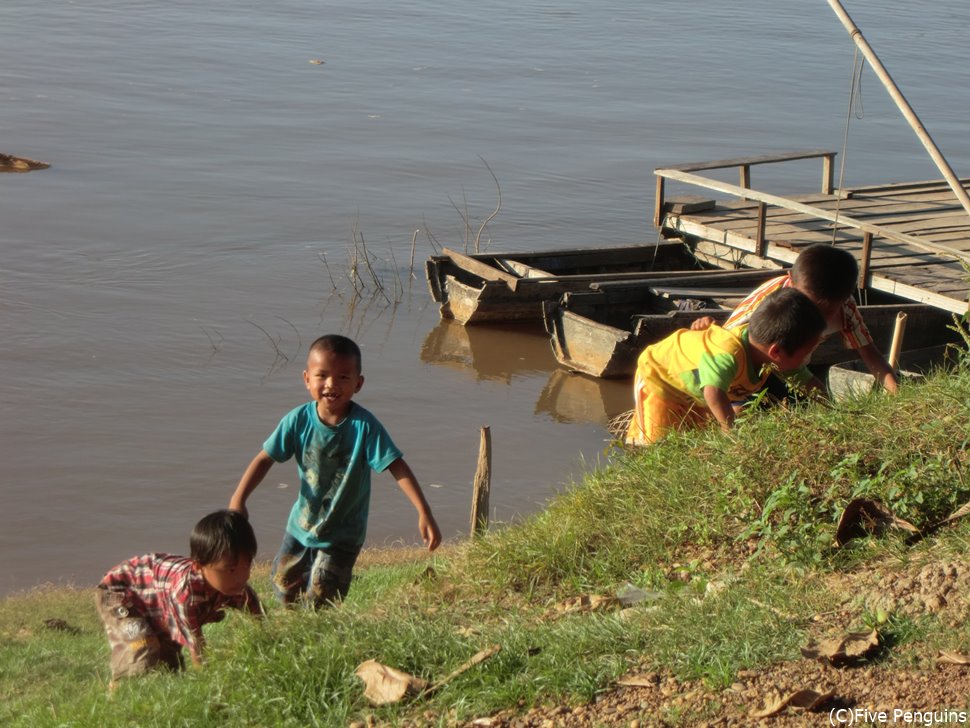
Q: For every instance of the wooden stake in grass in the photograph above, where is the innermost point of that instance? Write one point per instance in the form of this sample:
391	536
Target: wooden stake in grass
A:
483	484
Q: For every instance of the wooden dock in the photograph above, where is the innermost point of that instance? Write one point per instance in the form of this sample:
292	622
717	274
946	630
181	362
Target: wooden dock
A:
911	239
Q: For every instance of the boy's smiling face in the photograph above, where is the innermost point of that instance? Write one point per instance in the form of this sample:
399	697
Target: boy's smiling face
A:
332	380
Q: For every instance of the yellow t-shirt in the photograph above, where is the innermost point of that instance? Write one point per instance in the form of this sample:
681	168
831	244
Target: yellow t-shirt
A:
681	365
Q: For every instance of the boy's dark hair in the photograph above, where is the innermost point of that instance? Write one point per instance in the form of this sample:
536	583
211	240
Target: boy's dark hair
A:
828	273
788	318
219	535
339	345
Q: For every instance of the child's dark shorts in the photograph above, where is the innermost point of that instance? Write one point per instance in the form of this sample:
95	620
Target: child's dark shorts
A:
135	648
322	575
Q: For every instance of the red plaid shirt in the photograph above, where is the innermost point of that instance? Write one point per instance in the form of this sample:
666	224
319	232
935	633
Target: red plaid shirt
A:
174	597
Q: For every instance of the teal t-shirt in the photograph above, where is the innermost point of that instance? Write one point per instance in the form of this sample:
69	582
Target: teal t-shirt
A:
334	464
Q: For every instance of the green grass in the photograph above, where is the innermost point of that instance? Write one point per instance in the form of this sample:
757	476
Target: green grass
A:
731	535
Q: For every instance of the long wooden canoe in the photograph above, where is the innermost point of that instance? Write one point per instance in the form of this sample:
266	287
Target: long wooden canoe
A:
512	286
601	332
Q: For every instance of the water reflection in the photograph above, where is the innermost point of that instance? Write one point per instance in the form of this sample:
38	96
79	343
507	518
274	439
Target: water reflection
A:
503	353
499	353
569	397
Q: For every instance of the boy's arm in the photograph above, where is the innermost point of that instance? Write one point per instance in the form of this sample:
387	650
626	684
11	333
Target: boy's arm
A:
195	650
720	406
427	526
877	364
251	478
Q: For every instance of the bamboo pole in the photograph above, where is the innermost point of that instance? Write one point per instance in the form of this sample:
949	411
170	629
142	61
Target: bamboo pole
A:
483	484
898	331
902	103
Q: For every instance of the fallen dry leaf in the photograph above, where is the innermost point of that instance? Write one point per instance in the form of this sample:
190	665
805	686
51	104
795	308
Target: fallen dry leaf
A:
802	699
642	680
841	650
586	603
863	517
387	685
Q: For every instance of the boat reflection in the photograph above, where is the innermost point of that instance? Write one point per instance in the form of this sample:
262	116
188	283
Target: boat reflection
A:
505	353
489	353
574	398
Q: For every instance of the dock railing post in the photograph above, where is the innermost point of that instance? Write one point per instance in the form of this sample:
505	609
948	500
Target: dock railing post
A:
658	211
827	174
866	259
761	245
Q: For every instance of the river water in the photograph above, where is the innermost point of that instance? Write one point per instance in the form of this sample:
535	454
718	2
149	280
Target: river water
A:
213	164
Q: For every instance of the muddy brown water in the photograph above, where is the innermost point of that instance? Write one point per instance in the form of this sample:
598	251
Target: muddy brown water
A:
160	282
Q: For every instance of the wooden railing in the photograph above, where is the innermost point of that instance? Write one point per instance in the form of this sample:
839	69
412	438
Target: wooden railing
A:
686	173
744	165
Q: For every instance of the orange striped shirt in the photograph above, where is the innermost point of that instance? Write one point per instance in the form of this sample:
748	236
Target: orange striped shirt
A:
855	335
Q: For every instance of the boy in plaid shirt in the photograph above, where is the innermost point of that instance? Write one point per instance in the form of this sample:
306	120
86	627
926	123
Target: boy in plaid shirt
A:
153	605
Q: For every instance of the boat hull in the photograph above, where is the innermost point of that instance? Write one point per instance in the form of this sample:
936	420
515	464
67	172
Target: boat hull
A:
851	378
586	336
497	287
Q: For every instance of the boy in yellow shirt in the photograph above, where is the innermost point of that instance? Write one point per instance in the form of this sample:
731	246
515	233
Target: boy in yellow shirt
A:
691	376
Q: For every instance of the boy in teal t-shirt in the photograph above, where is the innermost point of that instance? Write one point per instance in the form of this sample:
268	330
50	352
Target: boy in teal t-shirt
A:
336	443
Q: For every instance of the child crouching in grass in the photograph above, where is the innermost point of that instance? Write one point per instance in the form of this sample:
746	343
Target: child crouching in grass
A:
690	377
154	605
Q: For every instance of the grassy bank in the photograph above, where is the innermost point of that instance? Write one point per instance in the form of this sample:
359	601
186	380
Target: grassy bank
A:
726	541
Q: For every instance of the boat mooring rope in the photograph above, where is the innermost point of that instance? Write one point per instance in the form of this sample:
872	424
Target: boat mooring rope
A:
855	102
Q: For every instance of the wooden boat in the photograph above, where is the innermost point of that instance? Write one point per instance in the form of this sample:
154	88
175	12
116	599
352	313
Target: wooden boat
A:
512	286
851	378
601	332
